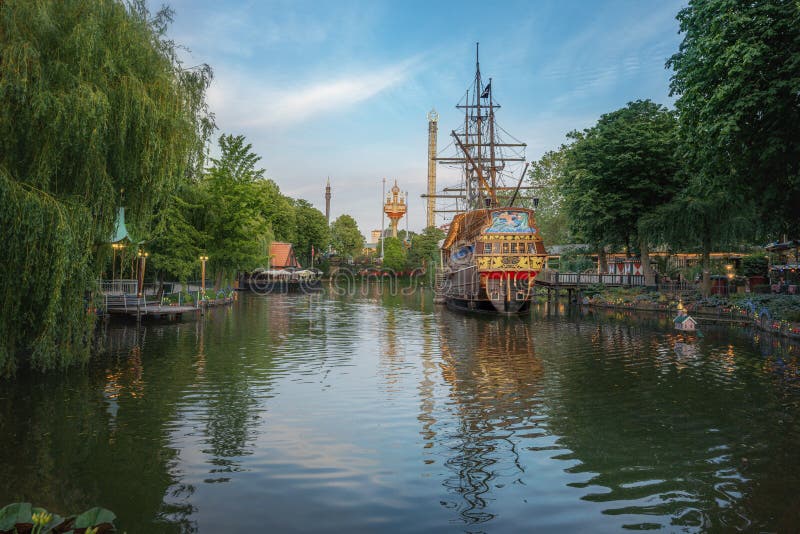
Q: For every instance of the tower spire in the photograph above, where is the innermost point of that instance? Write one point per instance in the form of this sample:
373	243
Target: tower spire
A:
328	201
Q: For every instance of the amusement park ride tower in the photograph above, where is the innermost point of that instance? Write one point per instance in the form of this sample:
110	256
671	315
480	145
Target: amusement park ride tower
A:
433	119
395	207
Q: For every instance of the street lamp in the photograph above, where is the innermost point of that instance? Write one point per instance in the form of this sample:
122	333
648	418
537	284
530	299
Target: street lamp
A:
115	247
142	265
203	260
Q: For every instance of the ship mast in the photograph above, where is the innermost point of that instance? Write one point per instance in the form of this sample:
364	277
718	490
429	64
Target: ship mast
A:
477	95
480	192
483	155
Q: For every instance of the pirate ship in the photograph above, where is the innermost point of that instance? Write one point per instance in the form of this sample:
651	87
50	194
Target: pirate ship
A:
493	250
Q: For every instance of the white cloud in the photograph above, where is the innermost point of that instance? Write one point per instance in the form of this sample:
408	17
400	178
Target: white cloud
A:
247	101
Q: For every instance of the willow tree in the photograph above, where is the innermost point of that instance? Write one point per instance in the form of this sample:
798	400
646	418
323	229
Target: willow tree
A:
93	101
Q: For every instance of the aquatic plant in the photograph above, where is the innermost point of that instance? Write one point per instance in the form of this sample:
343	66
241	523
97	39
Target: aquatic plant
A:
22	517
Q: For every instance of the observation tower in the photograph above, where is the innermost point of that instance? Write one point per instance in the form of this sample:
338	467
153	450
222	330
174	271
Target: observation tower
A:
395	207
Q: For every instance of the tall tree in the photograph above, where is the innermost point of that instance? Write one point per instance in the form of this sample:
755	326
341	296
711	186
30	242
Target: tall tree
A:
234	221
620	170
312	231
277	210
177	242
346	239
93	100
546	176
737	78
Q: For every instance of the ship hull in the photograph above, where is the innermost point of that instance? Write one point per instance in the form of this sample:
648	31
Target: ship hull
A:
487	306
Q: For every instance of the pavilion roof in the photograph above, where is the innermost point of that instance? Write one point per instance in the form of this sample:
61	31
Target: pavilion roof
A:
282	255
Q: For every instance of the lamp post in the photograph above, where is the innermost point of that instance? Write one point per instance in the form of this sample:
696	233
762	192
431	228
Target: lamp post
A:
142	265
203	260
114	247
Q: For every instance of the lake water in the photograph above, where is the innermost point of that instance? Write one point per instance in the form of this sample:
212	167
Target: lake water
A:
385	413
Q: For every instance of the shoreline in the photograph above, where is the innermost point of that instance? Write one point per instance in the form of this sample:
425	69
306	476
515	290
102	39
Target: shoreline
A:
722	315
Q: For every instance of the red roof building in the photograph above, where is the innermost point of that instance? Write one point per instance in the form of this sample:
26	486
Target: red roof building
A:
281	256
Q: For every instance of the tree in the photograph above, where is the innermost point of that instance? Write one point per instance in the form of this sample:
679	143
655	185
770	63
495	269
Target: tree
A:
737	77
312	231
177	243
346	239
620	170
93	100
234	221
424	251
276	210
394	254
546	175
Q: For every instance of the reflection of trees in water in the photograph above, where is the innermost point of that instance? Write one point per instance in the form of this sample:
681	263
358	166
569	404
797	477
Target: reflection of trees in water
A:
676	430
495	379
96	436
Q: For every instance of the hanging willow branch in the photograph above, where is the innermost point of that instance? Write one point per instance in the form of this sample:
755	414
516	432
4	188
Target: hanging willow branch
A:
93	100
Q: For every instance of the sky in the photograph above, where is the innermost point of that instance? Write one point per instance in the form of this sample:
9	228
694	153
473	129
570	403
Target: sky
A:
341	89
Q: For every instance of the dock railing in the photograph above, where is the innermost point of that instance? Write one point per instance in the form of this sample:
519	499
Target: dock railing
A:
118	287
555	278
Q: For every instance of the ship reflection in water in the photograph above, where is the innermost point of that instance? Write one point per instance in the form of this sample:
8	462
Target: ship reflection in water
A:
571	422
495	379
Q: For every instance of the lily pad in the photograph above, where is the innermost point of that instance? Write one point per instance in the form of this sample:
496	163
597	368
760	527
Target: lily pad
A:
18	512
94	517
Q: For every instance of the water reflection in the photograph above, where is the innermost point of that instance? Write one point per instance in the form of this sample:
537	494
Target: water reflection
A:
80	441
380	411
661	425
495	381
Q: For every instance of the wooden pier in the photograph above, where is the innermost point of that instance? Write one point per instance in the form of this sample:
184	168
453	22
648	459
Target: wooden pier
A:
139	308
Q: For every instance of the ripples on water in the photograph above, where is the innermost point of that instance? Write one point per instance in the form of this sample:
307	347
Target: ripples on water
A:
383	413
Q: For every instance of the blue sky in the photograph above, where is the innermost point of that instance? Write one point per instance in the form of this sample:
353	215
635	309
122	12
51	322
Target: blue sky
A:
342	88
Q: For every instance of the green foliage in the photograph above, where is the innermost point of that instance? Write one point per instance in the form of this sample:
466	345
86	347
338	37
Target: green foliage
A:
312	230
236	196
618	170
754	265
46	271
576	261
737	76
547	175
346	239
424	250
93	100
394	254
781	307
177	243
94	517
